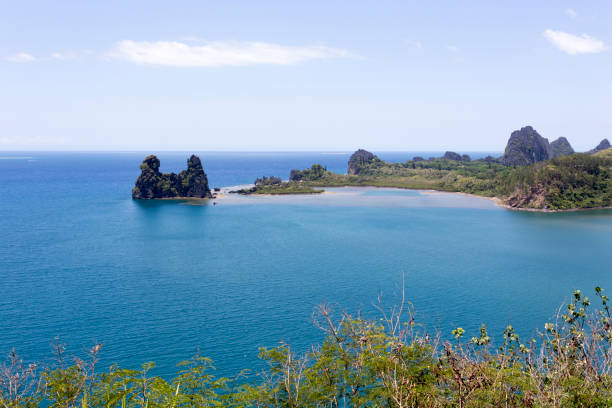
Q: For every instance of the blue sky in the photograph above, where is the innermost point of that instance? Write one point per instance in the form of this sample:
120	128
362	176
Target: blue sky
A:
311	75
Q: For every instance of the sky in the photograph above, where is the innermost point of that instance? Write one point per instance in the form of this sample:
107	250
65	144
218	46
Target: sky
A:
302	75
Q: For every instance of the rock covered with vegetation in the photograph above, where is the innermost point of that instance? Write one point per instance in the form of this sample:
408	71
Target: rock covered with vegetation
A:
563	183
454	156
152	184
561	147
358	160
525	147
393	361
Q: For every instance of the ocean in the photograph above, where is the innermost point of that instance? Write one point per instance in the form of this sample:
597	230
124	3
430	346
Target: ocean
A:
160	281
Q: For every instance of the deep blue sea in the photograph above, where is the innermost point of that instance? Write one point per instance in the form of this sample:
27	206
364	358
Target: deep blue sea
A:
160	281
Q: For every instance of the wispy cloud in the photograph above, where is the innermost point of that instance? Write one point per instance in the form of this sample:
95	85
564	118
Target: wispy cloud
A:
21	57
71	55
452	48
571	13
415	44
575	44
220	53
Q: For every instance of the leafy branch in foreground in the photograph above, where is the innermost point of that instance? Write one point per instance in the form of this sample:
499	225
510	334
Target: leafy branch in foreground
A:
390	362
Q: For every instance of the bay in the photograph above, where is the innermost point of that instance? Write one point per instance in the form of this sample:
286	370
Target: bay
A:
161	281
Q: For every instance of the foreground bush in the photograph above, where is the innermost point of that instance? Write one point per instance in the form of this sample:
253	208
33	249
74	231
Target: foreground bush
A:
391	362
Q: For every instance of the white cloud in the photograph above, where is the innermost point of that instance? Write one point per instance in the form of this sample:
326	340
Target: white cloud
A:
574	44
571	13
416	44
64	56
71	55
21	57
452	48
214	54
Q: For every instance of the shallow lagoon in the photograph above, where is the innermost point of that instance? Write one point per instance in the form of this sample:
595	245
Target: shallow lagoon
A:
161	280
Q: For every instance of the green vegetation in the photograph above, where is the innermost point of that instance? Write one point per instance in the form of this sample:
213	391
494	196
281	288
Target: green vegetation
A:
606	154
279	189
388	362
569	182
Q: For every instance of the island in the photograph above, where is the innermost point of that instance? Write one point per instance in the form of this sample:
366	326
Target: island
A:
533	174
152	184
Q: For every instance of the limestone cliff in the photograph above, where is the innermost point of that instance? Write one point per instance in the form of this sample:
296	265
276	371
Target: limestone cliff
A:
561	147
358	159
190	183
525	147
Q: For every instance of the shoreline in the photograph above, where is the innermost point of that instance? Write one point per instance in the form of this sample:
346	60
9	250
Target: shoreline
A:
498	201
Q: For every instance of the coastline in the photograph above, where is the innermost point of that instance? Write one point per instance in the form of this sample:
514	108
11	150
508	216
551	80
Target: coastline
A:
498	201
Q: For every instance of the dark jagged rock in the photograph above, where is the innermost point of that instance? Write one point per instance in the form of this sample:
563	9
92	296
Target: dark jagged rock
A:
358	159
466	158
525	147
193	181
452	156
151	184
561	147
603	145
418	159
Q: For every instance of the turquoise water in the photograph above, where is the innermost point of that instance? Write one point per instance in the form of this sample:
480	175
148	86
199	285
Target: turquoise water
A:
161	280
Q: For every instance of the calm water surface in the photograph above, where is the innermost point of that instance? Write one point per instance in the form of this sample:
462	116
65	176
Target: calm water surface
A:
161	280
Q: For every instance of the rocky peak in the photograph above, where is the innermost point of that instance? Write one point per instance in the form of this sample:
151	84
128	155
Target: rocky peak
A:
603	145
561	147
150	162
358	159
194	163
525	147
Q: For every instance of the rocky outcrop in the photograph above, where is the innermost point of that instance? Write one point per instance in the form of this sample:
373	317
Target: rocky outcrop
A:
528	197
603	145
358	159
452	156
561	147
190	183
456	157
525	147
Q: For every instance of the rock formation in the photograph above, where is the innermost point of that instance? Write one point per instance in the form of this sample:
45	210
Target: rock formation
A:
452	156
561	147
456	157
358	159
152	184
525	147
603	145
